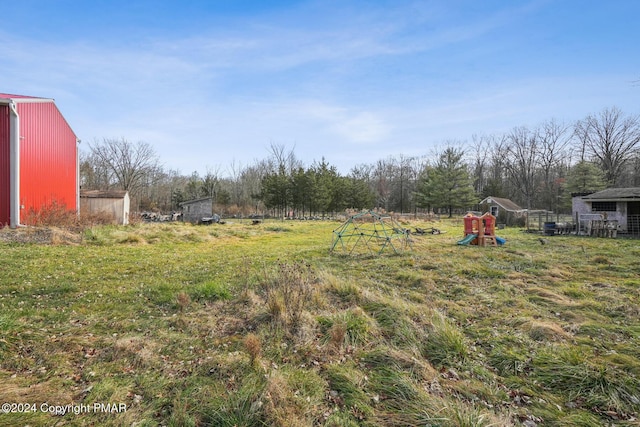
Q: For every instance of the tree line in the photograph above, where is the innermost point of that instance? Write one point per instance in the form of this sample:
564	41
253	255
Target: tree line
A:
536	167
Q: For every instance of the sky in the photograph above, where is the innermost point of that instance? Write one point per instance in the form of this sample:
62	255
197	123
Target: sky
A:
214	83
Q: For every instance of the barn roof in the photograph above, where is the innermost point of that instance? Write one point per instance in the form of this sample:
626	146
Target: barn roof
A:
25	98
505	204
103	194
612	194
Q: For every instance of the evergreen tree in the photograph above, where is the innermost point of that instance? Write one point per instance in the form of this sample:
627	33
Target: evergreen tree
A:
448	185
585	176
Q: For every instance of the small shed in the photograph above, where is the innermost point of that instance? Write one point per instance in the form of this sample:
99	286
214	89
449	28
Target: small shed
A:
614	204
111	202
194	210
505	210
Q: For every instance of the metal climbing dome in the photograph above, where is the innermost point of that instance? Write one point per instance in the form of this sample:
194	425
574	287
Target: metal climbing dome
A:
369	233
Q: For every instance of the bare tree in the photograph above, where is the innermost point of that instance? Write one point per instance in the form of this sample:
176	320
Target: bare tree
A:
522	162
127	163
610	138
553	139
211	183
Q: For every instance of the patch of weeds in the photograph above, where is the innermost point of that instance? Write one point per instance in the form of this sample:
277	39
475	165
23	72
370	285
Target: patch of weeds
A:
192	237
289	397
341	418
445	343
288	290
528	266
347	390
602	260
241	407
392	384
586	382
278	229
482	272
210	291
130	238
508	361
394	324
162	294
459	414
350	328
409	278
96	236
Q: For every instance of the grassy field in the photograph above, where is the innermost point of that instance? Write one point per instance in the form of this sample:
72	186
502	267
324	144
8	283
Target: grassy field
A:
252	325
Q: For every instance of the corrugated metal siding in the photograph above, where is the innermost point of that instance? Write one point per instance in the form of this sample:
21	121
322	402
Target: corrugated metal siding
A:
47	157
5	187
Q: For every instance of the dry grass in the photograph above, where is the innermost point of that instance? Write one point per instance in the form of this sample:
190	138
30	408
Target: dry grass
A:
238	324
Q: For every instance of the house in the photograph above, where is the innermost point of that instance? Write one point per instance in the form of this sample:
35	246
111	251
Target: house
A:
38	159
613	204
504	210
194	210
110	202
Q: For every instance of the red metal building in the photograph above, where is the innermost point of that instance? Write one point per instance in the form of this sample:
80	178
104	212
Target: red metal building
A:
38	158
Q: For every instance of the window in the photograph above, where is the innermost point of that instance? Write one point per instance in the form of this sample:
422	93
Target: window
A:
603	207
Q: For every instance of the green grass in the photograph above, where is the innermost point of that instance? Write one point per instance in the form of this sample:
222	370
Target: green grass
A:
254	325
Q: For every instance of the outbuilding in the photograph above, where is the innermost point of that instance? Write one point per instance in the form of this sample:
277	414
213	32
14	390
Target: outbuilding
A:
505	210
195	210
114	203
38	158
613	204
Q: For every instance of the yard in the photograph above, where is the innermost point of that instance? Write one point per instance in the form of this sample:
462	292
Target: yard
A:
258	324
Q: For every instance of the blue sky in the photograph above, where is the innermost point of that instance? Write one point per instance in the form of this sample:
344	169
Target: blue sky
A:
210	83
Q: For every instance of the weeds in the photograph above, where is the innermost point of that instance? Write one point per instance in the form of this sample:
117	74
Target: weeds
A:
288	290
445	344
179	323
586	383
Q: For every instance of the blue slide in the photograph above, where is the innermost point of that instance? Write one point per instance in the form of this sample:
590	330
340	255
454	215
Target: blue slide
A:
468	239
500	240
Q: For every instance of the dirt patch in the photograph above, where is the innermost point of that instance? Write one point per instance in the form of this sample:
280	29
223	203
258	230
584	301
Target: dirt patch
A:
40	235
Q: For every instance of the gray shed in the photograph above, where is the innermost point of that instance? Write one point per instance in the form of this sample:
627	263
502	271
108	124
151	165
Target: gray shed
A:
503	209
194	210
112	202
618	204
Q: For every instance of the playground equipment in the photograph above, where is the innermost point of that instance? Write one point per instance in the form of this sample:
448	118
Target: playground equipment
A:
480	230
369	233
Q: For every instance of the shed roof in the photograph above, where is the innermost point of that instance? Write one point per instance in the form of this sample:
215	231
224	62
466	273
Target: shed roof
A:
103	194
613	194
189	202
505	204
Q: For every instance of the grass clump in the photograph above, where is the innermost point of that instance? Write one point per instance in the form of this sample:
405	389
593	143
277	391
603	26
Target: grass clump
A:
587	382
288	290
347	392
394	324
351	328
210	291
445	343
